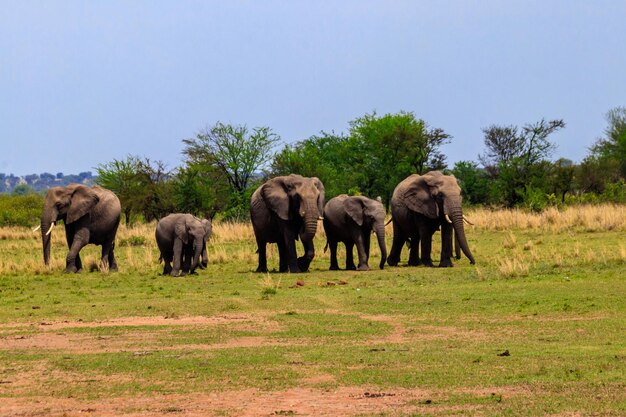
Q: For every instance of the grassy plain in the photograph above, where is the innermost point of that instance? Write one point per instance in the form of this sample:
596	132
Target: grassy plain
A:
536	327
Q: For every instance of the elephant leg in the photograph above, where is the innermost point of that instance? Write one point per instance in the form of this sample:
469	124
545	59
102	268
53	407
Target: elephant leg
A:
396	247
414	258
262	251
104	258
167	268
367	238
309	253
332	245
426	237
72	261
177	257
112	261
446	245
282	257
350	256
289	240
360	241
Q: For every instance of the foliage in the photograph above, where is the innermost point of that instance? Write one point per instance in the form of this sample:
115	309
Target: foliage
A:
517	160
474	182
20	210
236	153
142	186
613	146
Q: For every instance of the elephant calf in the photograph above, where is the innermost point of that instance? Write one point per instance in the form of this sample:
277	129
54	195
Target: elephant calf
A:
181	238
351	220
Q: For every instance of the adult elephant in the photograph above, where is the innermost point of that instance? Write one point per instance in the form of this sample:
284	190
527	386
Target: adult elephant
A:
90	215
351	220
420	205
181	241
282	210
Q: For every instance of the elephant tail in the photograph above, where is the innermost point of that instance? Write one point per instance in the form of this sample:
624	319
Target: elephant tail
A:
389	221
326	247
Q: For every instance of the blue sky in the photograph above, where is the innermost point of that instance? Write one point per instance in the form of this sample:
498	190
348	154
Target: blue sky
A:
86	82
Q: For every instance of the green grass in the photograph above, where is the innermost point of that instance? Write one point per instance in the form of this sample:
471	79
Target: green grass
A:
563	322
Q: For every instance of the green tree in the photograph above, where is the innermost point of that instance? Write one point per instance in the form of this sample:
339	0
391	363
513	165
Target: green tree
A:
386	149
236	152
326	156
613	146
474	182
121	177
200	192
562	179
517	159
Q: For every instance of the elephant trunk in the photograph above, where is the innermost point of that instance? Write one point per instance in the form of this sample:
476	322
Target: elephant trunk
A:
311	215
456	215
48	218
379	229
197	251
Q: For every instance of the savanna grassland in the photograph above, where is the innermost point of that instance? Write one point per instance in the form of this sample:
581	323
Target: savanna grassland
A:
536	327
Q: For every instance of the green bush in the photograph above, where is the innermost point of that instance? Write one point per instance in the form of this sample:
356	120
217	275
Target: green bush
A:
20	210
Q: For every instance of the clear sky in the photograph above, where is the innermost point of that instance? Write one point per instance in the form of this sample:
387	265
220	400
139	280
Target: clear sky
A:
86	82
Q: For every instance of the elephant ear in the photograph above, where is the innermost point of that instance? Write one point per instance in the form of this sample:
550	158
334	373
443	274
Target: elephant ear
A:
354	208
320	199
276	197
418	198
82	202
181	231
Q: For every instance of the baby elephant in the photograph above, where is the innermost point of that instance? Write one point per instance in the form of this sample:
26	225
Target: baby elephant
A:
182	240
351	220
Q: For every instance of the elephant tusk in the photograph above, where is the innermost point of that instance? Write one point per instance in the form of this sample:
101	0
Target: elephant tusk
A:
320	218
448	219
467	221
50	229
37	228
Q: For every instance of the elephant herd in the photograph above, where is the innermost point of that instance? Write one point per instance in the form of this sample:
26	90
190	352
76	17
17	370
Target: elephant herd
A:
283	210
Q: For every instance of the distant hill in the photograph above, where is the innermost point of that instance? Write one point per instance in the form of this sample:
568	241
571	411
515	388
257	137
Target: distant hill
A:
43	181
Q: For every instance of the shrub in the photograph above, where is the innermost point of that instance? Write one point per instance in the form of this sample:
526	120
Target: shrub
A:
20	210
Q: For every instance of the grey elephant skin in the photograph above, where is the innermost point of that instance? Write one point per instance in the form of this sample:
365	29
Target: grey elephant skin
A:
181	238
90	215
351	220
420	205
285	209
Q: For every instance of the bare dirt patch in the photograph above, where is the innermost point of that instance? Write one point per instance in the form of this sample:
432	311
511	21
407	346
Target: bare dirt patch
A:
343	401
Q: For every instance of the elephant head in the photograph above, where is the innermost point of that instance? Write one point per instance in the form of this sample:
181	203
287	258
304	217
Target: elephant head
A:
438	196
69	204
191	231
294	197
370	213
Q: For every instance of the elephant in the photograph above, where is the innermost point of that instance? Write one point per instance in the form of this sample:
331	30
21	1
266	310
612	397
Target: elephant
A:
351	220
282	210
90	215
188	249
420	205
181	238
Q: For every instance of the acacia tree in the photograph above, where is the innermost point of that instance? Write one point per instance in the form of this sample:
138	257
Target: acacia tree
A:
238	153
515	157
234	151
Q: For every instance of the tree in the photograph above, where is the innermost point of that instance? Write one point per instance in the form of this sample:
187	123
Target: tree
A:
613	145
238	153
562	180
474	181
199	192
235	152
388	148
120	176
516	159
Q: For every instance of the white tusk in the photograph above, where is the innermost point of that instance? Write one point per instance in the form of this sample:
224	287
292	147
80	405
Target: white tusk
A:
37	228
50	229
467	221
320	218
448	219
